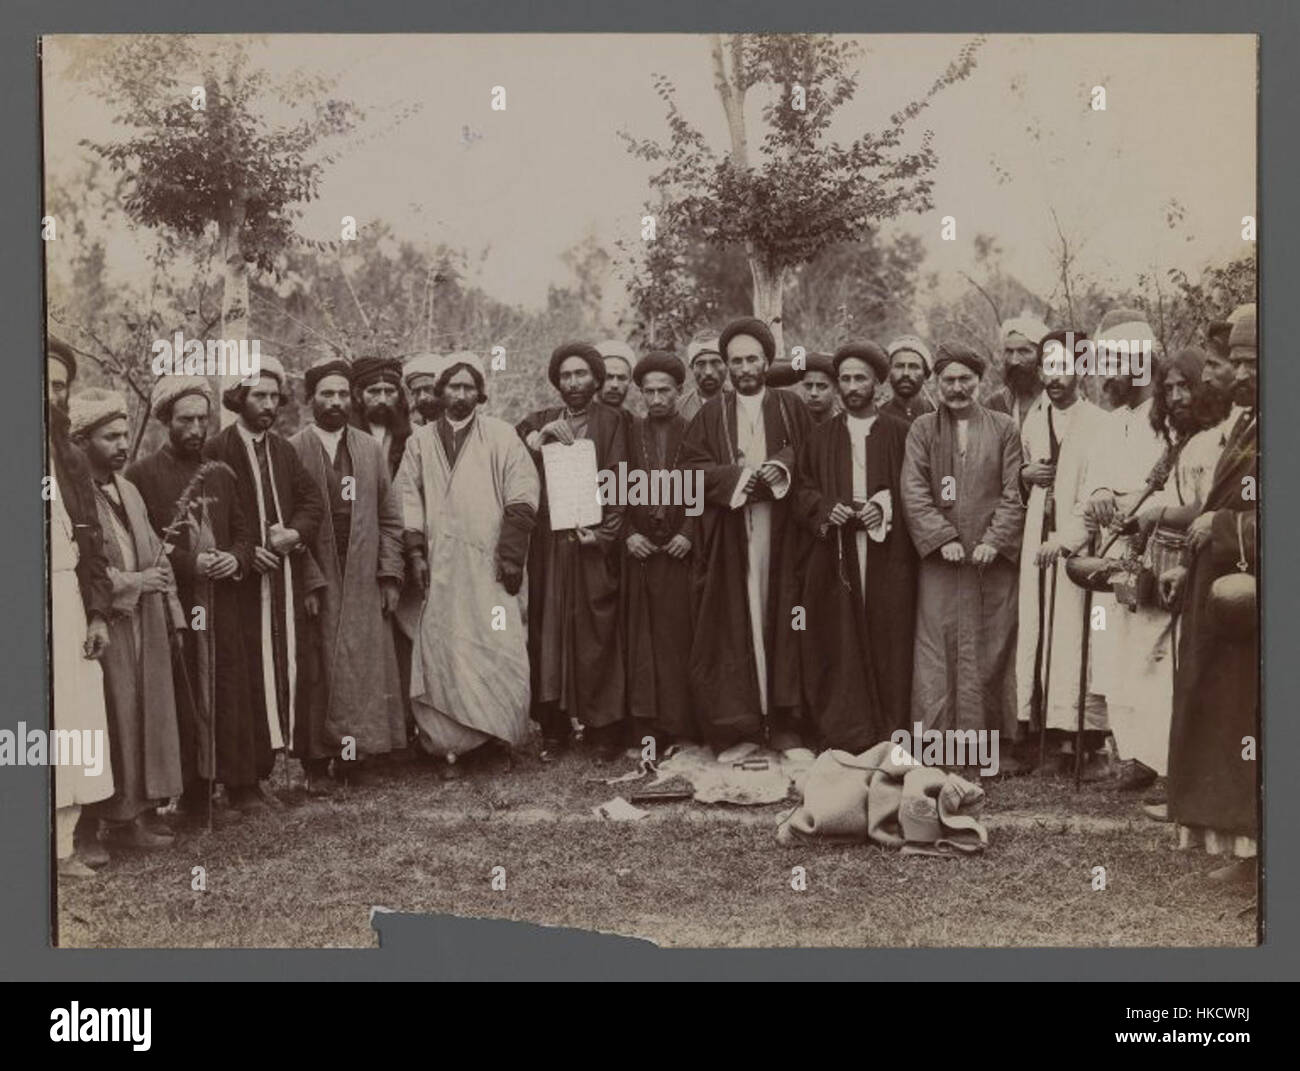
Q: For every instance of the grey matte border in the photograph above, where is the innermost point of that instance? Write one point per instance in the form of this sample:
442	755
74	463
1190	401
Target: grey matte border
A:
417	948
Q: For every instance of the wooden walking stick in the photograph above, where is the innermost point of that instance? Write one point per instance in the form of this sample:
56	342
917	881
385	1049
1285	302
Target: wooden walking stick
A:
1045	700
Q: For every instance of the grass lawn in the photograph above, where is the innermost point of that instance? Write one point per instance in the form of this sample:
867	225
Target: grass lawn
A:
690	875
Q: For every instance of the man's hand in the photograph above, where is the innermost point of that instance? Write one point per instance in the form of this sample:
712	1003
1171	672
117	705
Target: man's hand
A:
839	514
558	430
96	638
1048	552
153	579
264	561
1171	583
639	546
311	603
283	540
1039	473
770	473
983	554
390	593
871	515
223	565
953	552
1198	532
1100	508
585	536
678	547
419	569
510	577
533	440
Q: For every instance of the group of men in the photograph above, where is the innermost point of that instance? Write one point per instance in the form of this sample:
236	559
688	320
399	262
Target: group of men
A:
857	568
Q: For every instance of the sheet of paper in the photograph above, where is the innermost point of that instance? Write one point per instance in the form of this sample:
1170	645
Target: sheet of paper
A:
572	493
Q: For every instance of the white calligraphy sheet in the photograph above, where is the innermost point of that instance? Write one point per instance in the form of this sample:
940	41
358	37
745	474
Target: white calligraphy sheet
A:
572	489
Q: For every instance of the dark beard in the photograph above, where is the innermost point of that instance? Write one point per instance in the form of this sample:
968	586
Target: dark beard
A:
1021	380
1211	406
382	415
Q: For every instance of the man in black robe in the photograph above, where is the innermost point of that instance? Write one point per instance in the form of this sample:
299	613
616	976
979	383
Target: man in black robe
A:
659	539
1214	739
285	509
379	406
818	389
745	442
856	649
222	734
574	642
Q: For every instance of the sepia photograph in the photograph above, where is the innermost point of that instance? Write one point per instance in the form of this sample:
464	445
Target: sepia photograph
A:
731	490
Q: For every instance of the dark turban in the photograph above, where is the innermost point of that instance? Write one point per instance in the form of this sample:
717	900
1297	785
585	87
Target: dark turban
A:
823	363
368	370
782	374
875	357
58	350
586	351
756	329
1218	333
955	351
660	361
332	366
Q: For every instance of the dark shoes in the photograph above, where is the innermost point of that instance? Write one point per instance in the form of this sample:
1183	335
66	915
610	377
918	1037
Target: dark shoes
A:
552	748
1133	776
137	834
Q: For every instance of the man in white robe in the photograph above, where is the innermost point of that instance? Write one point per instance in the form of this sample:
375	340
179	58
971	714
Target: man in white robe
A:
469	493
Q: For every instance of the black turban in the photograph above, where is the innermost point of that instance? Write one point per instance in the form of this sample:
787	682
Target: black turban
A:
782	374
367	370
955	351
335	367
586	351
57	349
875	357
660	361
823	363
747	325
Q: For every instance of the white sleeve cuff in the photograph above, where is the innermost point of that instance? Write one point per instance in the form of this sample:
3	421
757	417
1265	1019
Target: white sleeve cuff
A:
885	501
782	487
738	495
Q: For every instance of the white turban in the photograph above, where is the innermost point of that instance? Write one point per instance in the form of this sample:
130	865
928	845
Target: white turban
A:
1026	324
171	389
702	345
92	408
468	357
613	347
423	364
1126	325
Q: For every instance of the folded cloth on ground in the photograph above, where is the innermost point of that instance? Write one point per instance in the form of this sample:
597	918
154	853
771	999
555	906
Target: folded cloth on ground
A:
885	796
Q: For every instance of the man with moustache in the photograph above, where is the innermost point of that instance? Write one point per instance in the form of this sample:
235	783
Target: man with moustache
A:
420	374
619	359
468	493
1131	657
708	370
278	496
817	387
355	702
379	407
1060	431
574	641
209	546
909	368
859	587
138	687
745	443
80	602
656	585
1022	386
961	499
1213	780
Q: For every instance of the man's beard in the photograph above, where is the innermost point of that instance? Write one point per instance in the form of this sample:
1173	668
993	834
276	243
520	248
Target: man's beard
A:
857	400
1211	405
1244	394
430	408
187	445
578	400
381	413
460	408
709	384
332	418
1185	420
906	387
1119	389
611	397
1020	378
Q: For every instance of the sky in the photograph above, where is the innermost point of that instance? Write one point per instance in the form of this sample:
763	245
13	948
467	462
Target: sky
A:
1016	140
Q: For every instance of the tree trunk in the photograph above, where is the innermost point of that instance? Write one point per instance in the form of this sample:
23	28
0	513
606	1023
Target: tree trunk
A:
769	285
234	270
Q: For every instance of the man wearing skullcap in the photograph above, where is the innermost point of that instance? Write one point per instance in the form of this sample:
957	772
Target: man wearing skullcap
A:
81	597
138	686
1059	433
281	499
859	583
352	689
379	406
818	389
708	371
574	642
193	507
660	536
1130	657
960	488
1213	782
468	492
420	374
1021	386
909	368
745	443
619	359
